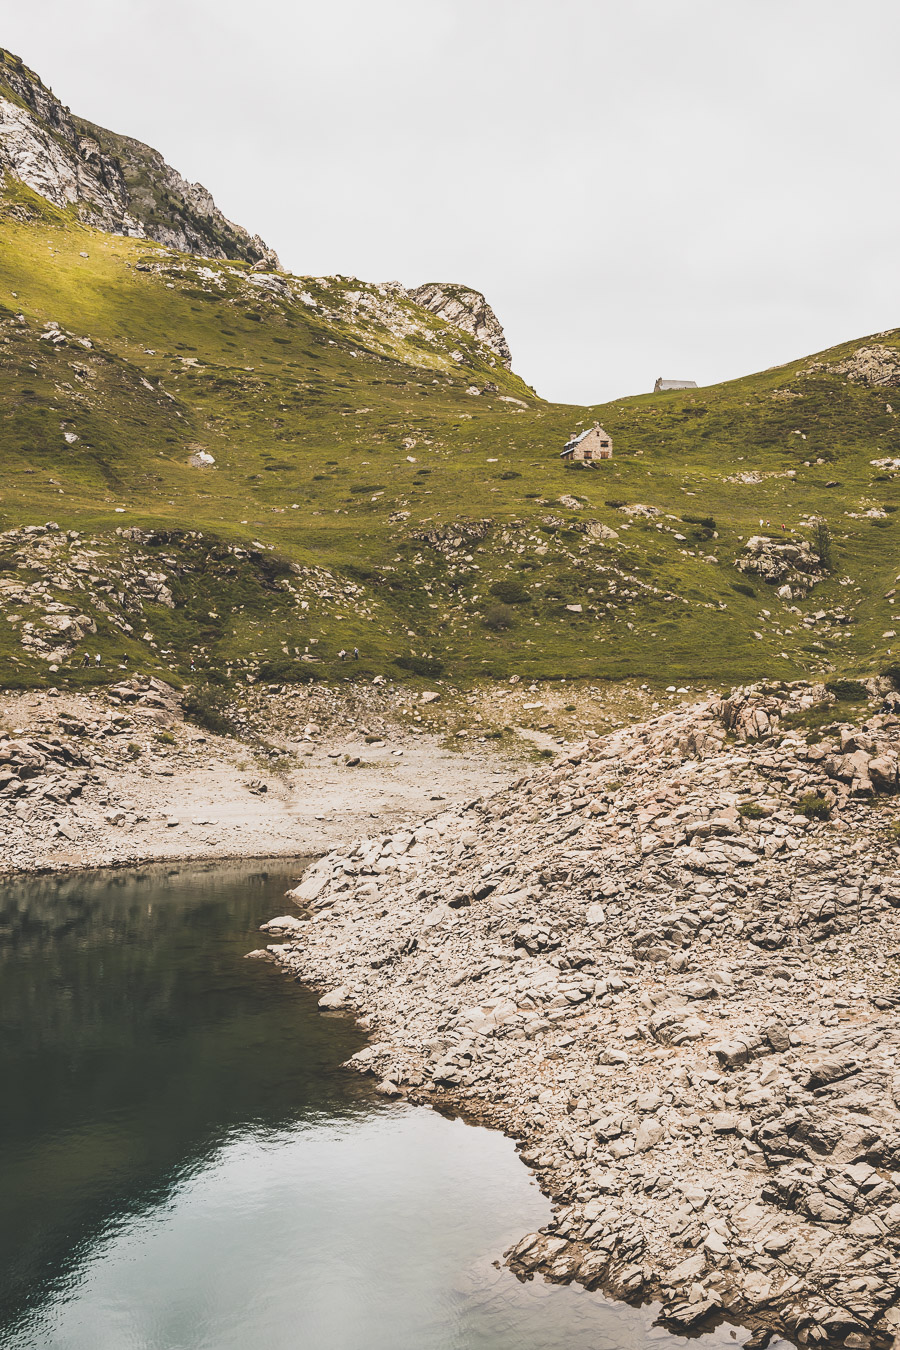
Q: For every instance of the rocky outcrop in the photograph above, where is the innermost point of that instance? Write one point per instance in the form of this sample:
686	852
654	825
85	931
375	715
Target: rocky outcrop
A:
58	587
665	964
791	564
171	210
116	183
467	310
47	156
458	534
876	366
52	785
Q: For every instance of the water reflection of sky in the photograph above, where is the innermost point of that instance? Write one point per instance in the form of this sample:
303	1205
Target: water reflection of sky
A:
183	1166
133	1039
378	1235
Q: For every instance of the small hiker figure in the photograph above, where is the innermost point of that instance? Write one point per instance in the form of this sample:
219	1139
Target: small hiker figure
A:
86	661
342	654
193	667
125	659
355	653
97	659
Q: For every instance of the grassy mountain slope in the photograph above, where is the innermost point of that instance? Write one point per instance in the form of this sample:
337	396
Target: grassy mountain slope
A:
380	480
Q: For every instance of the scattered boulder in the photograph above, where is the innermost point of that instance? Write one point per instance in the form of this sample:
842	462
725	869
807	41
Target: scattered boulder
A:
337	998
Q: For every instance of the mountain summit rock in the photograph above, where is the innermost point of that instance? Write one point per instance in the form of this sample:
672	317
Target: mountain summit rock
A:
115	183
465	309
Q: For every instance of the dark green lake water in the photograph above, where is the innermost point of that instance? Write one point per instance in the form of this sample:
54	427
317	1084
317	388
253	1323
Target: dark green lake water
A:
184	1166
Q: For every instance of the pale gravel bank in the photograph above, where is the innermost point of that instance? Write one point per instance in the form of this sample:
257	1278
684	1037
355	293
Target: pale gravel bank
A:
119	777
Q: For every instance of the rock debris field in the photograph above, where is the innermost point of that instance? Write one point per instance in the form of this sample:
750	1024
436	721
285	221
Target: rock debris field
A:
667	964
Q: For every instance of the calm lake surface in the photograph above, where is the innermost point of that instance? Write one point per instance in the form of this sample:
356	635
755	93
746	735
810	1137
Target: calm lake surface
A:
184	1165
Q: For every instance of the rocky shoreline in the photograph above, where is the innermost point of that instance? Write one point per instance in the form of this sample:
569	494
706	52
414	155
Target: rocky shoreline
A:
668	964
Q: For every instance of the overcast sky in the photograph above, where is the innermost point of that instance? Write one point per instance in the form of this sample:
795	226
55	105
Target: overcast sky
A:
685	188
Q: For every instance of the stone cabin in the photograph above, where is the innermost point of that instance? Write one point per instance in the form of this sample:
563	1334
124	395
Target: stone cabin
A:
662	385
595	443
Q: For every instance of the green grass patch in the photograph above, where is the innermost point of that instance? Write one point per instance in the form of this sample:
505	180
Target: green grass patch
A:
814	807
847	691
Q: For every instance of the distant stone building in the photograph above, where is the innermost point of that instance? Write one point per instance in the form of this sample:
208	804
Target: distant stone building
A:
662	385
595	443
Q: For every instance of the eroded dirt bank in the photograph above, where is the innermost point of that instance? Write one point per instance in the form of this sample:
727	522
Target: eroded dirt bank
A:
668	964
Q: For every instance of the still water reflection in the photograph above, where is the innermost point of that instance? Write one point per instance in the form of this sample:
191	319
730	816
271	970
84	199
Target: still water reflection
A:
184	1166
